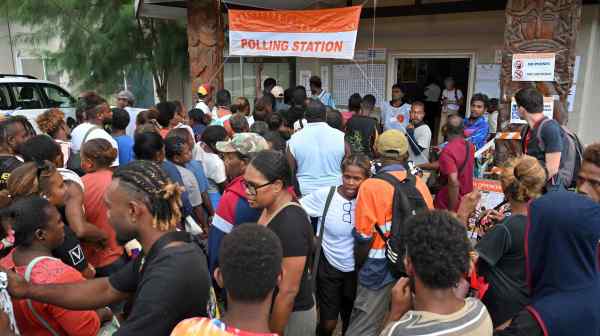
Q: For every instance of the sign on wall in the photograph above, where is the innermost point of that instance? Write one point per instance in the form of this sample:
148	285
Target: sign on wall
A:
538	67
514	113
325	33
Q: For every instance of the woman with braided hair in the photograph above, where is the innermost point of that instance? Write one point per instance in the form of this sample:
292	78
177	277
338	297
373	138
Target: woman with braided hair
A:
168	283
43	179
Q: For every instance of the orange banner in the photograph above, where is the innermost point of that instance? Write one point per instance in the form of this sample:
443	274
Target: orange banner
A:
326	33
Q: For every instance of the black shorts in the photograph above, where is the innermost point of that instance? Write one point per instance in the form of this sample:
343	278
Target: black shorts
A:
336	291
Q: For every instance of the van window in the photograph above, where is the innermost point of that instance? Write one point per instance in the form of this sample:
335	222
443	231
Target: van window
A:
26	96
57	97
5	103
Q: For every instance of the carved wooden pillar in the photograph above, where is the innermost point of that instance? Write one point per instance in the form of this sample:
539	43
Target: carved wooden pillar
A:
206	41
536	26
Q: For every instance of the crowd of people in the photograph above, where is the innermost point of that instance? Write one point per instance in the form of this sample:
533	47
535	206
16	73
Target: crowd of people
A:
289	217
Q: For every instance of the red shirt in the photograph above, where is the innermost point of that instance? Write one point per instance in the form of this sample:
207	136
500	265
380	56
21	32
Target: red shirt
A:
63	321
453	156
96	184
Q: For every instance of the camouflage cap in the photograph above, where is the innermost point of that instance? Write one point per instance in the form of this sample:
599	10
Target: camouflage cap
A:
243	143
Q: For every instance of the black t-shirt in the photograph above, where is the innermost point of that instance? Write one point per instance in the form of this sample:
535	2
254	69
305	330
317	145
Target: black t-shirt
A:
293	228
502	264
551	135
360	134
174	286
523	324
8	163
70	251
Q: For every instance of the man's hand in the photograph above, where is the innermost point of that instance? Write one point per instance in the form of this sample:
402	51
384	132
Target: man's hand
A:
410	125
401	299
17	286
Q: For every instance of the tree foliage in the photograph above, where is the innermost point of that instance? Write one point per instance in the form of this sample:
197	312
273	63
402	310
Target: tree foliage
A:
102	39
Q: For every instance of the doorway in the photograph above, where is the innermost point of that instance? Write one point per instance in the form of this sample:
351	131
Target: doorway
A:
416	71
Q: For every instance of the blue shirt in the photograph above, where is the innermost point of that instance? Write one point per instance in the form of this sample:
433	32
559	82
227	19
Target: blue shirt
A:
196	168
173	173
325	98
125	146
477	131
318	150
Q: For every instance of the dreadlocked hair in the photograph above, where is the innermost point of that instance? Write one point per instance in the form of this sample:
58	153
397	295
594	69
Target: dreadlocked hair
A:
159	193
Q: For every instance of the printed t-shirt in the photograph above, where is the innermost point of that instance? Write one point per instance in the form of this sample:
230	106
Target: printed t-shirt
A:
476	131
96	184
452	96
338	241
471	320
317	165
395	117
502	264
78	135
171	287
374	207
551	136
295	232
451	159
8	163
233	210
125	144
200	326
66	322
361	132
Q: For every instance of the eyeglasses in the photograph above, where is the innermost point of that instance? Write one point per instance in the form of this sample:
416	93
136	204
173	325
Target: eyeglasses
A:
252	189
347	215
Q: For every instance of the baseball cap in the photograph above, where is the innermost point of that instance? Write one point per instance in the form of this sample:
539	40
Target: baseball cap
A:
392	144
243	143
204	89
125	94
277	91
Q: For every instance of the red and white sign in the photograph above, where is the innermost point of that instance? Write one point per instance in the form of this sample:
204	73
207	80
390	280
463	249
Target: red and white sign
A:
324	33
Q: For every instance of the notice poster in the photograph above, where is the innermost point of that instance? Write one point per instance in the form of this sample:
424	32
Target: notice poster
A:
491	193
514	111
323	33
538	67
305	80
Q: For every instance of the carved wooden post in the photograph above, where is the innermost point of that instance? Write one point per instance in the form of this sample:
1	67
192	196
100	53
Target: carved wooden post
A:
206	41
536	26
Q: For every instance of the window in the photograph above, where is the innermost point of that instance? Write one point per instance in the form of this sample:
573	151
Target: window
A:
27	97
57	97
4	98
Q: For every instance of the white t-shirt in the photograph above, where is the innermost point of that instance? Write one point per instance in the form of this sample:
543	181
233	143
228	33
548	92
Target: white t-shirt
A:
214	167
432	93
191	186
133	113
423	138
202	105
338	241
452	96
79	133
395	117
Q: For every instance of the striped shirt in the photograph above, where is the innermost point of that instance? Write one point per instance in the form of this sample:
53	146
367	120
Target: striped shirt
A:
471	320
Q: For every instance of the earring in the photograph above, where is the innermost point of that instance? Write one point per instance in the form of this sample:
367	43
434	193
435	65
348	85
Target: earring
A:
45	197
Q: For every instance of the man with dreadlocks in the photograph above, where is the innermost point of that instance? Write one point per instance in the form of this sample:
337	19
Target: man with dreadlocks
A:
168	283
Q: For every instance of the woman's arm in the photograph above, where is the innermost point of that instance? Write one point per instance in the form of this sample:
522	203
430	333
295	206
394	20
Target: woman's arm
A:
293	268
76	217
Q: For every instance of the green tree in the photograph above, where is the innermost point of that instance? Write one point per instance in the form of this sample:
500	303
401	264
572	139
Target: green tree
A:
102	39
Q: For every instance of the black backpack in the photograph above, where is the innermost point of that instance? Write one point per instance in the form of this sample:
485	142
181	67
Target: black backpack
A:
406	203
